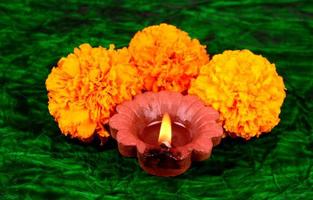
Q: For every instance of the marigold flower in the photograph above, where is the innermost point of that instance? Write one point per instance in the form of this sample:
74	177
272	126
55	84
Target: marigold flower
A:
85	87
245	88
167	57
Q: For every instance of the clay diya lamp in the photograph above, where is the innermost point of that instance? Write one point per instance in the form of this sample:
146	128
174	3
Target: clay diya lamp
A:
166	131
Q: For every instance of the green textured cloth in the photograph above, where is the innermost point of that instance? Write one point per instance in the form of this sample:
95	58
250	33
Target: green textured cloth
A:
38	162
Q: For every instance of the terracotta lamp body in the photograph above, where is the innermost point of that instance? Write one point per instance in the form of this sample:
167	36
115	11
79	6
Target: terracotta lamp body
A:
166	131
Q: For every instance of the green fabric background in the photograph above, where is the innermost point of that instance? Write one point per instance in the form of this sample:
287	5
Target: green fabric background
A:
37	162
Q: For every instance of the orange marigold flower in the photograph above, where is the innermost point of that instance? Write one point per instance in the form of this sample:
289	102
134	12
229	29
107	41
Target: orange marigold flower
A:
245	88
86	86
167	57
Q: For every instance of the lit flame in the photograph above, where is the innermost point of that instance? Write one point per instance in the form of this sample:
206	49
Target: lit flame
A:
165	136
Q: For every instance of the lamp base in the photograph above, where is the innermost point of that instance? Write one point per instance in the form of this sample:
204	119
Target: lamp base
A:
163	163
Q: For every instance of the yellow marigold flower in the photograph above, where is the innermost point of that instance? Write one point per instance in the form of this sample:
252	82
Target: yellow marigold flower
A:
167	57
245	88
85	87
